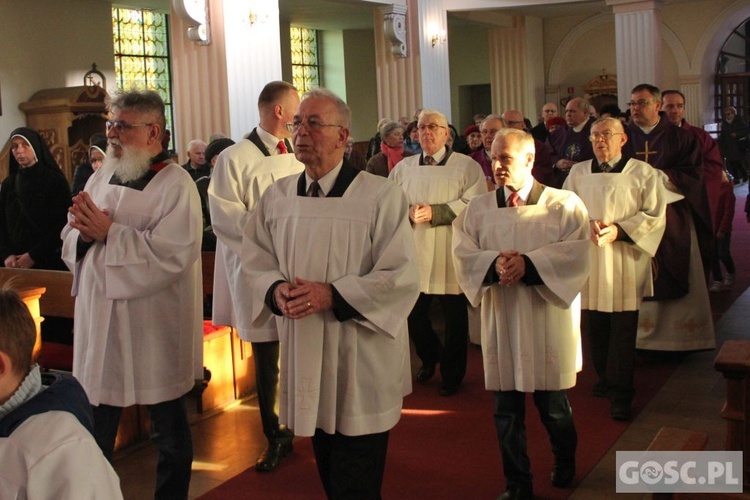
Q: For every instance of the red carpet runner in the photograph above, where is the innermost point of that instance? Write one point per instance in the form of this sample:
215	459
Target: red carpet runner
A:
446	448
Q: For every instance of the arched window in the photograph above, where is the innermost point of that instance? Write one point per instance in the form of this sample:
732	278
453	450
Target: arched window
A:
733	73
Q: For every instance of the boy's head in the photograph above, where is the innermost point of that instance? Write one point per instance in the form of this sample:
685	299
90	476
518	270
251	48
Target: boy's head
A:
17	338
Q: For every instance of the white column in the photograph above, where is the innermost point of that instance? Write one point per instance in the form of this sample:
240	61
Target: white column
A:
253	56
433	51
508	76
690	86
638	43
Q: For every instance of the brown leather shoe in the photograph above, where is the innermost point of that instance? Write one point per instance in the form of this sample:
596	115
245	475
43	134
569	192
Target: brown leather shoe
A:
272	455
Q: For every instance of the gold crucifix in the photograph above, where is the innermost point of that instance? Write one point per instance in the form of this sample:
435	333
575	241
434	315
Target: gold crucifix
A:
646	152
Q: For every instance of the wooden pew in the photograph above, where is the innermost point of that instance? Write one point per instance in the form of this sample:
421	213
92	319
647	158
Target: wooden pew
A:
675	439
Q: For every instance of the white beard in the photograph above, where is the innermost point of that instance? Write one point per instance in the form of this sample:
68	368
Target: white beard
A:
132	165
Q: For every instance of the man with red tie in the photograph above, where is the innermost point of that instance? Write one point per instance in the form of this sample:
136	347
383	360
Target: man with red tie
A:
241	175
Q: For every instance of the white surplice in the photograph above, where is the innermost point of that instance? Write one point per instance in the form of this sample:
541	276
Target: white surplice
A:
347	376
138	312
636	200
531	336
241	175
453	184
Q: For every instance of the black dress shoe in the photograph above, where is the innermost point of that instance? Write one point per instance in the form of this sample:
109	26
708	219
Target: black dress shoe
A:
272	455
517	494
600	390
563	474
426	372
448	389
620	409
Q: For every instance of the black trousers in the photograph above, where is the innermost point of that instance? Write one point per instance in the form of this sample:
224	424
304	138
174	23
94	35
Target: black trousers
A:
170	432
557	417
266	358
452	356
351	467
612	339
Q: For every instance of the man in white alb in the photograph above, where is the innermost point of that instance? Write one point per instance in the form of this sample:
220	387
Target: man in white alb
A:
522	252
438	184
626	200
242	174
330	253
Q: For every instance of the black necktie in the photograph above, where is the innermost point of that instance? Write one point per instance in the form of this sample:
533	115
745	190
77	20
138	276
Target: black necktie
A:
314	190
606	167
429	160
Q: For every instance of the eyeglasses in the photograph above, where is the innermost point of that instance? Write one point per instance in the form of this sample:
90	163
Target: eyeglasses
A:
310	125
123	126
432	127
595	136
639	103
96	160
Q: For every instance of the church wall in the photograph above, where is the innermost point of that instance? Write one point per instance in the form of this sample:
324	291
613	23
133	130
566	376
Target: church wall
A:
361	83
690	20
469	65
48	44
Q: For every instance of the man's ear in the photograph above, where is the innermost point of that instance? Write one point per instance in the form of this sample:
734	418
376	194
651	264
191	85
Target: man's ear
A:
6	366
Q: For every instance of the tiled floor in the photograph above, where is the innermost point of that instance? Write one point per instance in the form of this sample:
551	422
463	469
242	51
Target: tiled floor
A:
229	442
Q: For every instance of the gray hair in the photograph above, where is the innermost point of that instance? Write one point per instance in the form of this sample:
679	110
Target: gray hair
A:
431	112
142	100
388	127
341	108
493	116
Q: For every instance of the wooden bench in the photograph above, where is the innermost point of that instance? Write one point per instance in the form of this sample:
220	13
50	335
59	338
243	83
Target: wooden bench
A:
675	439
226	357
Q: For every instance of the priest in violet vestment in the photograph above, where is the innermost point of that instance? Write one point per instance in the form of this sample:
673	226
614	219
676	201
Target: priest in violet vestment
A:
678	318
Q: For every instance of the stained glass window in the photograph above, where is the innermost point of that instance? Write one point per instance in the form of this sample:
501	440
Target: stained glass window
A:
305	66
141	39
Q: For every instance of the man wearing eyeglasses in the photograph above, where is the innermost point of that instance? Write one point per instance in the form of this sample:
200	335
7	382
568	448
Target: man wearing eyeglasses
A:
626	201
330	253
242	173
488	128
570	144
543	171
133	243
438	184
540	131
678	317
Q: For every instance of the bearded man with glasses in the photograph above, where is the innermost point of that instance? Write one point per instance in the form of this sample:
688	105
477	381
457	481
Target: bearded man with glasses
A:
678	317
133	243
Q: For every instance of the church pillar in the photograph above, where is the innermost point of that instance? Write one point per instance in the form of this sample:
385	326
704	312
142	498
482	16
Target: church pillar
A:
199	79
253	56
690	86
433	54
397	60
216	86
638	44
516	74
